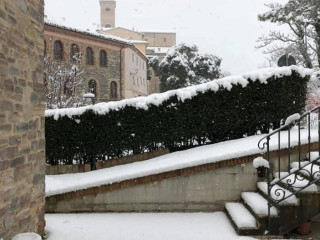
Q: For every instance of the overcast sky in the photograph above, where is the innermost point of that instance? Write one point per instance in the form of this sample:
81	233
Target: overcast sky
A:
226	28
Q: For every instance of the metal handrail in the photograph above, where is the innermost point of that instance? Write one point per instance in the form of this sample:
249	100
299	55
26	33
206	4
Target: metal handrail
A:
314	176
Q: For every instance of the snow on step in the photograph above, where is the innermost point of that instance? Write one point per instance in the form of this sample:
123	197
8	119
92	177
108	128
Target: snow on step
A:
311	170
313	156
241	216
258	204
296	182
263	186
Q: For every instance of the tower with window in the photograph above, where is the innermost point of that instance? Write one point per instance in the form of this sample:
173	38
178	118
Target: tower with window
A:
108	18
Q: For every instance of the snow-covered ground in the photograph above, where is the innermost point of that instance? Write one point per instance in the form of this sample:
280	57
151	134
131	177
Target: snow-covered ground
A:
141	226
57	184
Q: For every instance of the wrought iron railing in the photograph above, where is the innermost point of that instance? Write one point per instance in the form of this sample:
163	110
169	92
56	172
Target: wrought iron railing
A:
305	173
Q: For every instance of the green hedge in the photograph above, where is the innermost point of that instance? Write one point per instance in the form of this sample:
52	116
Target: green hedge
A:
208	117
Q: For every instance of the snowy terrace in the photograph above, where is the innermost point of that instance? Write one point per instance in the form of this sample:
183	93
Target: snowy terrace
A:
58	184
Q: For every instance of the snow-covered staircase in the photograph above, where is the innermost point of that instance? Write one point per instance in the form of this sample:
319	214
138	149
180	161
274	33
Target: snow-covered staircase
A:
250	216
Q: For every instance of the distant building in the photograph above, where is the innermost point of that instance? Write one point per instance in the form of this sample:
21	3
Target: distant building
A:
150	43
115	68
108	11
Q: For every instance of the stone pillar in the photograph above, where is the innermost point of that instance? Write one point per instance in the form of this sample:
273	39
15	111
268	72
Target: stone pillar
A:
22	140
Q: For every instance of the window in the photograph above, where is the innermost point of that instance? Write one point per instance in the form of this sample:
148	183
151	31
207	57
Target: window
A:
103	58
58	50
92	87
107	26
108	9
90	56
74	50
137	61
113	90
134	82
45	48
164	39
132	57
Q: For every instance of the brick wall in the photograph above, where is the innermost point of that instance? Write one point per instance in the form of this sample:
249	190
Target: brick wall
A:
22	154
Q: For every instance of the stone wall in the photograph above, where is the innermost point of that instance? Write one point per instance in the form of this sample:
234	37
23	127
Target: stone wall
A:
22	140
201	188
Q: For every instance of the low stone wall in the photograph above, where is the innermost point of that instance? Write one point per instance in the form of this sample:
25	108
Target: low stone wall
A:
200	188
63	169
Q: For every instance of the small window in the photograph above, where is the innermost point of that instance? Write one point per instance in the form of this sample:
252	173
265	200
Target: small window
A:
92	87
137	61
108	9
134	82
164	39
90	56
74	51
103	58
45	48
113	90
132	57
58	50
107	26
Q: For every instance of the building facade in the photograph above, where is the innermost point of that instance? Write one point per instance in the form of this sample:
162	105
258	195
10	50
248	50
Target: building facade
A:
103	59
22	137
108	11
150	43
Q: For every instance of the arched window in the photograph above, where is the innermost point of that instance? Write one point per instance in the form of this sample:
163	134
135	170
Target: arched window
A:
58	50
92	87
103	58
113	90
90	56
45	48
74	50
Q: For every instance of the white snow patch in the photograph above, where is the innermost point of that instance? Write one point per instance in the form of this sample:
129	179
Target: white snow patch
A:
258	204
297	182
88	95
184	93
141	226
27	236
58	184
292	118
241	216
263	186
260	162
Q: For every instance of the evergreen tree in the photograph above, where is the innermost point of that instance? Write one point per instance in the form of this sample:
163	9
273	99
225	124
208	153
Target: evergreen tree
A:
303	19
184	66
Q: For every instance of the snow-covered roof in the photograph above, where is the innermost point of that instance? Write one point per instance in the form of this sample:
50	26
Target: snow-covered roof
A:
105	36
182	94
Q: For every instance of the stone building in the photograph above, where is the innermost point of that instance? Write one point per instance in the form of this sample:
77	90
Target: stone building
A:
150	43
22	138
112	65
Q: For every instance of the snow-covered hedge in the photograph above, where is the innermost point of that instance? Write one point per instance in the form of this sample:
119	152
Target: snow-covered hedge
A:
219	110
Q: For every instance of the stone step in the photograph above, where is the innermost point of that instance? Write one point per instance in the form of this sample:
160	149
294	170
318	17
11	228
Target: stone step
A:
310	171
258	204
278	193
244	222
295	183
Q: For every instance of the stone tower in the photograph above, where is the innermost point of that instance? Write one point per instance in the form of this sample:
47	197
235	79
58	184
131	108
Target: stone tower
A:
108	12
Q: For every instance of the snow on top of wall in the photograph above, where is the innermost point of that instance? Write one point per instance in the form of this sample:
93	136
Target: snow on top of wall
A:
184	93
